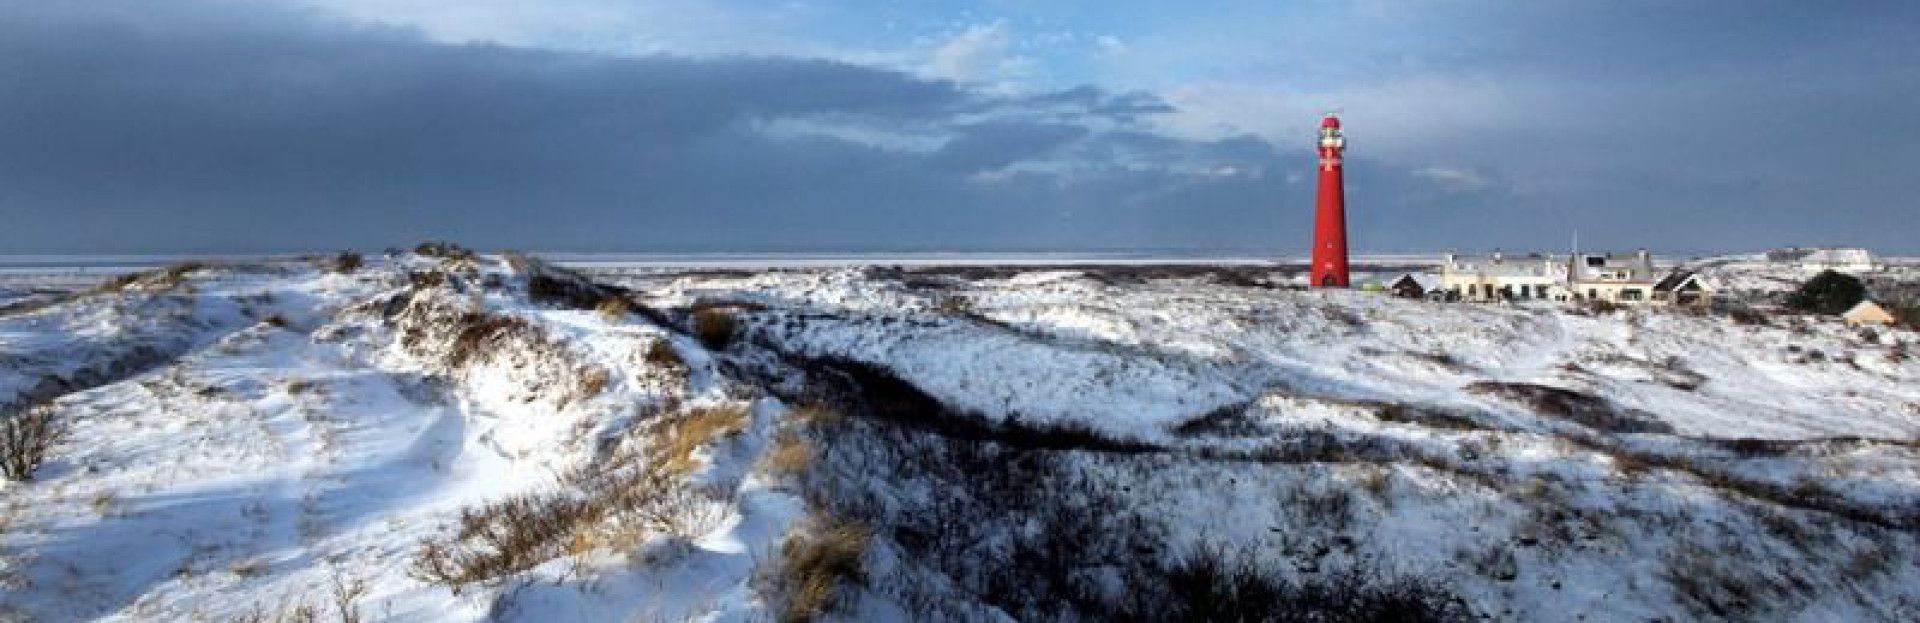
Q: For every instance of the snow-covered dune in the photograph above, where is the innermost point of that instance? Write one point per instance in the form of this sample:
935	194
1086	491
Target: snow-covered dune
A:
449	436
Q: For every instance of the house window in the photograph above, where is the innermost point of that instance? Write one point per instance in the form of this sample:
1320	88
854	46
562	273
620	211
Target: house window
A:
1630	294
1592	293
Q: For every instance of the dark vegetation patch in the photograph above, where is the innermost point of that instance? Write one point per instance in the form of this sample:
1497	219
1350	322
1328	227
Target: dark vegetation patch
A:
552	285
123	365
873	391
1231	420
1047	536
444	250
1426	415
345	262
715	327
1444	360
1830	293
1212	585
1750	448
1579	407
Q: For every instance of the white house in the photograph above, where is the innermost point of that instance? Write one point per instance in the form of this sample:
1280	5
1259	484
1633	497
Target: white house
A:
1613	277
1498	277
1840	260
1626	278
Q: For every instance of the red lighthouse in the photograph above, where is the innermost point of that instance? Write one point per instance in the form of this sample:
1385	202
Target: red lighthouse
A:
1330	210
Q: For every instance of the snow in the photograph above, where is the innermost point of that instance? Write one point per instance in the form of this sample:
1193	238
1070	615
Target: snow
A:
249	436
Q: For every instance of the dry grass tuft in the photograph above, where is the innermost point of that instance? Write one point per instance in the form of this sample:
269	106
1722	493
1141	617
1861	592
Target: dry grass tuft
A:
813	564
593	382
345	262
615	505
614	308
814	415
165	279
790	455
480	333
683	434
104	503
662	354
501	538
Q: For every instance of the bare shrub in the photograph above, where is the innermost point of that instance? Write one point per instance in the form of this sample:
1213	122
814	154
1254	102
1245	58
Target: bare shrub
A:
715	327
616	504
614	308
346	262
954	305
501	538
565	288
480	332
1744	315
346	594
1436	417
25	438
1713	583
443	250
105	503
593	382
1872	560
815	561
1230	420
1495	562
164	279
661	353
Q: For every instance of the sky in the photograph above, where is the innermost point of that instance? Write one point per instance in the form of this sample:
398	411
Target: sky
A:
223	126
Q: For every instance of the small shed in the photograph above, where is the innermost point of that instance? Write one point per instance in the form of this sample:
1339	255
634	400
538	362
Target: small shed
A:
1413	285
1867	312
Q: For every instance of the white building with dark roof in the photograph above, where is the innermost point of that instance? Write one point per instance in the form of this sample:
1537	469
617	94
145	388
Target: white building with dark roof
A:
1625	278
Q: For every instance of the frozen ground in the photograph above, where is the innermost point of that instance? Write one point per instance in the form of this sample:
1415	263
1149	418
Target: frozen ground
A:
455	437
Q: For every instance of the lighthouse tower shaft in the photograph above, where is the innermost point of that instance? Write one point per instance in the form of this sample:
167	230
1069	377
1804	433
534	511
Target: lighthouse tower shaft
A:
1330	210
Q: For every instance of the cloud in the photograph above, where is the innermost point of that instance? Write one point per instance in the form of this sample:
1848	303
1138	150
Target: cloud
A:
137	130
1455	179
978	54
210	125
